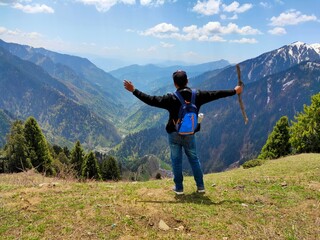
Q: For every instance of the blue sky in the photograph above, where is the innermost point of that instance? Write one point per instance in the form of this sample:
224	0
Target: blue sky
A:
150	31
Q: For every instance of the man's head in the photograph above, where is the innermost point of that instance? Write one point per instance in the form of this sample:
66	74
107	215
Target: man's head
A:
180	78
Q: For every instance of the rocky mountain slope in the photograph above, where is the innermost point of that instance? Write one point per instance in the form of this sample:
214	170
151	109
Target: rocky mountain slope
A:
28	90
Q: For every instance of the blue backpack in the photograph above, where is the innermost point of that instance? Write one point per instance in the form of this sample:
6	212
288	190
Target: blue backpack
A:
188	115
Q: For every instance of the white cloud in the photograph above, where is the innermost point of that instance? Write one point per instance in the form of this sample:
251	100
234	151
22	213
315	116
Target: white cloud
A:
212	31
160	30
269	5
35	39
105	5
245	41
28	38
279	2
57	44
145	2
35	8
234	17
166	45
216	38
278	31
212	7
231	28
20	36
291	17
154	2
130	30
225	17
265	4
10	2
207	8
235	7
2	30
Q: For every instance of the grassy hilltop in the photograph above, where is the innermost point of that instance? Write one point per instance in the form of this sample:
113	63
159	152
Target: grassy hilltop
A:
278	200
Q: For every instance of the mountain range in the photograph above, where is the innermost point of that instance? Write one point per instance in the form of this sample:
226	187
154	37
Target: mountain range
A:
90	85
27	89
72	99
152	77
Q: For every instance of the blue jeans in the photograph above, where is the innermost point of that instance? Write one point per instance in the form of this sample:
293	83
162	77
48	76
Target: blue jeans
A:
188	142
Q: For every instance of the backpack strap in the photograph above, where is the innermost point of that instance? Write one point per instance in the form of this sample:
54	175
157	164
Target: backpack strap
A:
193	96
181	99
178	95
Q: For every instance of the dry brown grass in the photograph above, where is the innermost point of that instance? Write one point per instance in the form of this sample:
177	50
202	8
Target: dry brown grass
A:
279	200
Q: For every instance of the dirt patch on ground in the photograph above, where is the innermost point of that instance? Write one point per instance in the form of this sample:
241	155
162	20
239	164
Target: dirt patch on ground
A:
314	186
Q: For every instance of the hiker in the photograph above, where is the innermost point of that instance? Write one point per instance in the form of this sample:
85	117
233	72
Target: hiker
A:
176	141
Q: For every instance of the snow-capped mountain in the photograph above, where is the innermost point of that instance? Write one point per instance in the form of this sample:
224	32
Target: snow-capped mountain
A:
316	47
266	64
279	60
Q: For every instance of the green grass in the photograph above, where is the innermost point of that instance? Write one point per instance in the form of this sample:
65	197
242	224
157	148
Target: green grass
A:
278	200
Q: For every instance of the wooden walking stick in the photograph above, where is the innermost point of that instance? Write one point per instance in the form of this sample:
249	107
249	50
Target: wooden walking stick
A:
240	83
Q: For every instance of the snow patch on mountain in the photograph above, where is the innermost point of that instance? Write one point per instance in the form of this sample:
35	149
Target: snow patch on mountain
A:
311	66
298	44
287	85
301	45
295	52
316	47
269	92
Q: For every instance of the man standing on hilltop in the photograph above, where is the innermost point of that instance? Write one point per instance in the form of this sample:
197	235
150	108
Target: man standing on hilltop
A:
171	103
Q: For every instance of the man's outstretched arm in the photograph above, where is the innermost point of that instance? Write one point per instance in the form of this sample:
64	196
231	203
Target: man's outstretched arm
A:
155	101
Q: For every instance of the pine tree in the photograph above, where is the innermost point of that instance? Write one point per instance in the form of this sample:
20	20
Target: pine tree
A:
277	144
38	150
90	167
61	157
110	169
77	157
16	149
3	162
66	152
305	131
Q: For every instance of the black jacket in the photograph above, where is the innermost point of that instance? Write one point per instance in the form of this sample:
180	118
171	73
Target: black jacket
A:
172	104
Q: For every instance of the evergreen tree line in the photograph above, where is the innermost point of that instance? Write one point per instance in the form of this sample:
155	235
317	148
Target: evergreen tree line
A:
302	136
27	148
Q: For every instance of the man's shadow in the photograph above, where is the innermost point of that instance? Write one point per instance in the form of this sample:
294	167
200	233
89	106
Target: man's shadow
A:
196	198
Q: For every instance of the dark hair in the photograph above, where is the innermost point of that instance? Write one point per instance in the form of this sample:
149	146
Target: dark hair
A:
180	78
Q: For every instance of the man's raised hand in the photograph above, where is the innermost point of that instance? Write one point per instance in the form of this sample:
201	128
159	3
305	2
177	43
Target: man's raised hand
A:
128	85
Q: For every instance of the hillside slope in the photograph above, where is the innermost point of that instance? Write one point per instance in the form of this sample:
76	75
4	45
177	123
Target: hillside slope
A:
91	86
225	139
5	122
278	200
30	91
